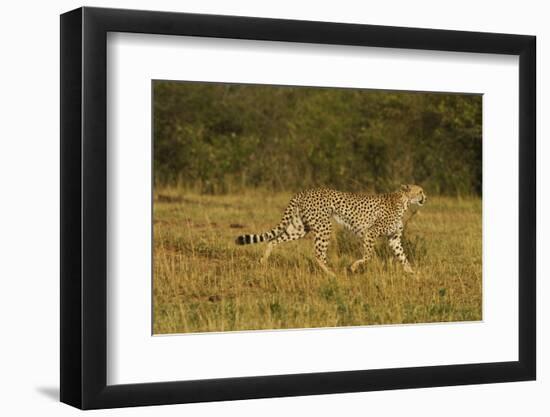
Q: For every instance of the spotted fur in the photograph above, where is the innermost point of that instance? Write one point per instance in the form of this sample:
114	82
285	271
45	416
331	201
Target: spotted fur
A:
368	216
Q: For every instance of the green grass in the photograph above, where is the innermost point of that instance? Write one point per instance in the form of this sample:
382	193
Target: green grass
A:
204	282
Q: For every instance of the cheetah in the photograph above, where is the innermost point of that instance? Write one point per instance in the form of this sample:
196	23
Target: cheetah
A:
367	216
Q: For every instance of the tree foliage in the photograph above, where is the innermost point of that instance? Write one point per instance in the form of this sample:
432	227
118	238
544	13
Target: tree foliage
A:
219	137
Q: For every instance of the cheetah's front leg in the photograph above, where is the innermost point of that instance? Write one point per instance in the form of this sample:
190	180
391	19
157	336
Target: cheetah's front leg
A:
397	248
368	247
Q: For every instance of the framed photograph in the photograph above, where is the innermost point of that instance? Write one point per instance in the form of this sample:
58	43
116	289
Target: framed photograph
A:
257	208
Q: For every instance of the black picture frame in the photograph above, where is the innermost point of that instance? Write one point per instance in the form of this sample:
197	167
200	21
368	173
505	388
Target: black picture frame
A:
84	207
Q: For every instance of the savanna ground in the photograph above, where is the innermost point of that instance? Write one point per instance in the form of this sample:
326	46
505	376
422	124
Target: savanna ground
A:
204	282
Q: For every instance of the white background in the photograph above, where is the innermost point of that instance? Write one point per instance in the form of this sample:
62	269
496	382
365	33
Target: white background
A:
29	182
134	356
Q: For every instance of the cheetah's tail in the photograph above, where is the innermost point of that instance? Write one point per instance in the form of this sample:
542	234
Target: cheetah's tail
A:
273	233
263	237
247	239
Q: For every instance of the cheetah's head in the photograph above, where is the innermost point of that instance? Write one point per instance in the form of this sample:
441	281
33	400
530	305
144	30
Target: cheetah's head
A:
414	193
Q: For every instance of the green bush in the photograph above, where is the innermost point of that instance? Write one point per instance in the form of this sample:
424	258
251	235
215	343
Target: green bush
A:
222	137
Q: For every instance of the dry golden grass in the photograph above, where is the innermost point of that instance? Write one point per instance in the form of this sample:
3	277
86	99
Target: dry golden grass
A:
204	282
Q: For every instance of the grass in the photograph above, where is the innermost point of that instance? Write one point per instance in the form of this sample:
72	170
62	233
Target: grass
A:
204	282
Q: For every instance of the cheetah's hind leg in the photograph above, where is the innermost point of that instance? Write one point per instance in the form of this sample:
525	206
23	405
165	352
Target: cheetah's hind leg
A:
292	232
322	237
268	249
325	268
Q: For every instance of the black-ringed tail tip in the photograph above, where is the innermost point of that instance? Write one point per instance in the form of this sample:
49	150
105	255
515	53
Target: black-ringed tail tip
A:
248	239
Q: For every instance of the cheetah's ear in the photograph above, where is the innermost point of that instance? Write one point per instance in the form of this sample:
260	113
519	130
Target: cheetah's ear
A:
405	187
